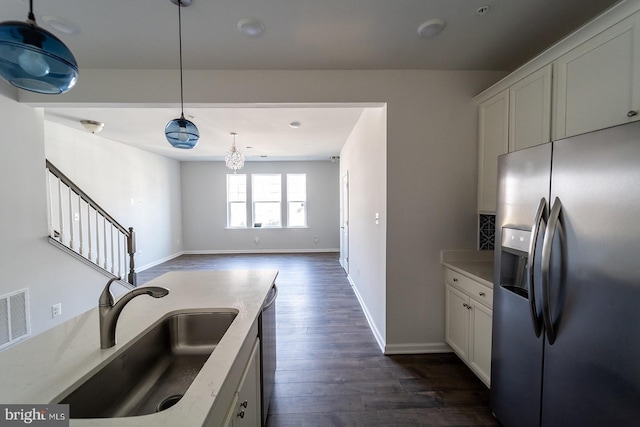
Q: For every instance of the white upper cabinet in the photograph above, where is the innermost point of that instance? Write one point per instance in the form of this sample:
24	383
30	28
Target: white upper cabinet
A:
597	83
493	141
530	110
587	81
516	118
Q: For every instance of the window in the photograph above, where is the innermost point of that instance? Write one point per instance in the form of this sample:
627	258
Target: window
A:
297	200
267	198
236	200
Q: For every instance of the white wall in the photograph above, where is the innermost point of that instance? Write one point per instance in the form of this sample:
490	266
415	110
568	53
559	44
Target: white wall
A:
431	200
364	159
205	216
431	161
27	259
114	175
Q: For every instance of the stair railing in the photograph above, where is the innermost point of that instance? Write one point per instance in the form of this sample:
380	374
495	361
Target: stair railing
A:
78	223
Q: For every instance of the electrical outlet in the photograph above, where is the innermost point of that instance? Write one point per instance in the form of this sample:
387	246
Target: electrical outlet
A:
56	310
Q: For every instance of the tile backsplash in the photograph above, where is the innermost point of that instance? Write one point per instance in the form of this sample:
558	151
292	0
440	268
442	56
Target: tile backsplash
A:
487	230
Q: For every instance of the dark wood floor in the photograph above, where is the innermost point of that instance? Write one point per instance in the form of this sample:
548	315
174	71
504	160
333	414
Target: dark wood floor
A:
331	371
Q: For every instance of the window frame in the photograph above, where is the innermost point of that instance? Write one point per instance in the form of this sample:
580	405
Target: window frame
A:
233	202
284	202
290	200
255	201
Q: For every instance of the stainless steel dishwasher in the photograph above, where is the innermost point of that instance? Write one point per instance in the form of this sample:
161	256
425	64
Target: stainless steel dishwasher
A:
267	333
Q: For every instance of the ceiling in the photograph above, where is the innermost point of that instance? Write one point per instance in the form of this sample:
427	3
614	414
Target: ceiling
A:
299	35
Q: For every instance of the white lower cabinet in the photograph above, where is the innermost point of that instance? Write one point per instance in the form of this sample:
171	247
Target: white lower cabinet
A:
245	410
457	324
468	322
480	340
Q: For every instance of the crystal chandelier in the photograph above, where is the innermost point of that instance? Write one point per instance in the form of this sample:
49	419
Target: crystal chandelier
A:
234	158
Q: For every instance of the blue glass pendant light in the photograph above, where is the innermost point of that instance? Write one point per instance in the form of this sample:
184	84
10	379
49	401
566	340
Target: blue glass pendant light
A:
33	59
181	133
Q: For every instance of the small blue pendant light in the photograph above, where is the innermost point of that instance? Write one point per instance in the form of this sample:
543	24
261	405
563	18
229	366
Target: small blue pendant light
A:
181	133
33	59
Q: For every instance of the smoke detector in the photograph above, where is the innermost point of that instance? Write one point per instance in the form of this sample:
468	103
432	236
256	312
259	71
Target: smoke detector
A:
251	27
431	28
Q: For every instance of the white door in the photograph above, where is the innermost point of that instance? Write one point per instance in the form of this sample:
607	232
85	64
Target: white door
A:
344	225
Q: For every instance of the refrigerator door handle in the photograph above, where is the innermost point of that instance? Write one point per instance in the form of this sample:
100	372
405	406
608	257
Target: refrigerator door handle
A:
538	223
554	225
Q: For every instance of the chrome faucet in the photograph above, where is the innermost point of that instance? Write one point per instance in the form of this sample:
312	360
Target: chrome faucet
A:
109	309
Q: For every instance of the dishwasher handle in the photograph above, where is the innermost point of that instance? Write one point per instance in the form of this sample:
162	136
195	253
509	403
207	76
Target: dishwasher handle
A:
275	295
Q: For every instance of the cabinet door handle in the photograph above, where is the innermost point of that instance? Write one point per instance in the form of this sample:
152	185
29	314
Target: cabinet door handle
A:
465	305
632	113
241	414
244	404
482	294
455	279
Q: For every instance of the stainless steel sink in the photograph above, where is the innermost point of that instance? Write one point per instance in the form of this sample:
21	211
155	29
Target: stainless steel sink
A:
154	372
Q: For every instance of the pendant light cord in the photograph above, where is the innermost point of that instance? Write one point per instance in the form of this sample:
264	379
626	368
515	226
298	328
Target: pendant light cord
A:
180	39
31	16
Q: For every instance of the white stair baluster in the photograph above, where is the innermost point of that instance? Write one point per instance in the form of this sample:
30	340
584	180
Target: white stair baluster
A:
104	239
71	221
81	241
97	238
60	212
89	231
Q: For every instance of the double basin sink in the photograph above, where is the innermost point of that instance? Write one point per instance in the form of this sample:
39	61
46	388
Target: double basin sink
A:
155	371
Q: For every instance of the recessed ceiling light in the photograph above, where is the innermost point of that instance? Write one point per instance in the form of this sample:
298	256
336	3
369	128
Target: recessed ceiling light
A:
250	27
483	9
295	125
61	25
431	28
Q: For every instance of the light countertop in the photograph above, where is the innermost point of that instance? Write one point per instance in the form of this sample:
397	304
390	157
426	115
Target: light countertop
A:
39	370
477	265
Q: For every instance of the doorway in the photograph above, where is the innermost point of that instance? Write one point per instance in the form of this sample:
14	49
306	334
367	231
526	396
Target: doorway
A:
344	224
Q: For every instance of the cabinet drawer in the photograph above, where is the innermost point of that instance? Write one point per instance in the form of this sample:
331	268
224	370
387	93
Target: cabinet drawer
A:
472	288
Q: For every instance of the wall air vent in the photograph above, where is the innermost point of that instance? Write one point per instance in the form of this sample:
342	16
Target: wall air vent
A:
14	317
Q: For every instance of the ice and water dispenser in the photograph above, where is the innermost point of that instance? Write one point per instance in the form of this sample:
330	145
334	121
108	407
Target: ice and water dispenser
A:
514	274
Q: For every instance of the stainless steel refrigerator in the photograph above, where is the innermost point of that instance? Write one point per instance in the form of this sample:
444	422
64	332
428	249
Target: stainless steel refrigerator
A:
566	312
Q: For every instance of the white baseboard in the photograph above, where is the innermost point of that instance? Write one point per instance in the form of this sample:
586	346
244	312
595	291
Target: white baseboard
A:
417	348
225	252
411	348
376	333
159	261
255	251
